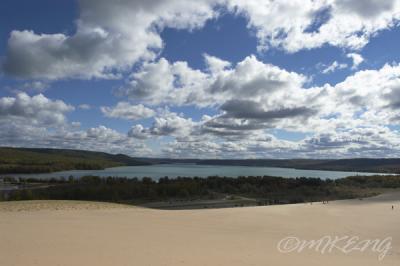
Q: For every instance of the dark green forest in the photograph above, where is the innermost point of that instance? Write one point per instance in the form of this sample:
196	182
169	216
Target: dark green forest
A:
24	160
266	189
378	165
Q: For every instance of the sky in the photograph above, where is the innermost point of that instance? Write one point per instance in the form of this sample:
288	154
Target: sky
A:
202	79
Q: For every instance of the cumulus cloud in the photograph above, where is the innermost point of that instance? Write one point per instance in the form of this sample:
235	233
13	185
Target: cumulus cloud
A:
110	37
215	64
250	147
253	79
358	142
165	124
367	9
139	132
230	127
37	121
370	141
356	58
164	83
37	109
347	24
249	99
268	93
17	134
252	98
353	117
333	67
368	93
125	110
243	109
98	138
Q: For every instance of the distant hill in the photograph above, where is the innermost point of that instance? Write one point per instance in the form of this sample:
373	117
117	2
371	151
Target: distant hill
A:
351	165
30	160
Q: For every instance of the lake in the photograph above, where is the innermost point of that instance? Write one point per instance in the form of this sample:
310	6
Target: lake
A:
191	170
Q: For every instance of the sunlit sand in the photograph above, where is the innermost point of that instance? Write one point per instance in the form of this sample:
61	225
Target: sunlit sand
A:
78	233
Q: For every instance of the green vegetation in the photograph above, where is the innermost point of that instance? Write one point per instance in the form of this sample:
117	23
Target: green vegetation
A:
376	181
24	160
265	190
352	165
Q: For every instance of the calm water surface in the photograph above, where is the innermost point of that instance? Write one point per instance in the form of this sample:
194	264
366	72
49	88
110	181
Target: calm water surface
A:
191	170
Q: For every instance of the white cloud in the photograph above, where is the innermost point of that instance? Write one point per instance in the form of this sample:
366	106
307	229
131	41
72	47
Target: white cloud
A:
356	58
369	92
37	121
109	36
162	82
251	99
253	79
269	95
171	124
215	64
368	8
352	118
98	138
345	23
125	110
165	124
85	106
333	67
248	98
139	132
37	110
37	86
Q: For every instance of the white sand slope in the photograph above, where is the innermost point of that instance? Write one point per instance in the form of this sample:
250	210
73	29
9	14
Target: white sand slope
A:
236	236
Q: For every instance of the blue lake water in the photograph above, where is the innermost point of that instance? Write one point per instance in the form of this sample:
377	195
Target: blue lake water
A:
192	170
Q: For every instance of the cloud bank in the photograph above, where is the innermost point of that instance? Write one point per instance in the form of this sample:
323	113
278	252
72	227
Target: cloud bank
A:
251	100
111	37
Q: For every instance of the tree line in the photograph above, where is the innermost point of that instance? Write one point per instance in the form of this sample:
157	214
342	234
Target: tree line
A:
267	189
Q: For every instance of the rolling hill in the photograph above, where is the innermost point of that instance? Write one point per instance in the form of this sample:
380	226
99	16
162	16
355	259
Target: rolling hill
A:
30	160
33	160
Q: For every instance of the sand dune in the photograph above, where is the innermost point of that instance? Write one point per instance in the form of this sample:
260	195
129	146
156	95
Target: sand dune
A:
79	233
57	205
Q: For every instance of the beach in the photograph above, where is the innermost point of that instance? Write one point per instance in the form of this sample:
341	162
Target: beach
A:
49	233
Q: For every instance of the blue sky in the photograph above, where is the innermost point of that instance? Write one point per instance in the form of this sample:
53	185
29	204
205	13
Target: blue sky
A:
210	78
